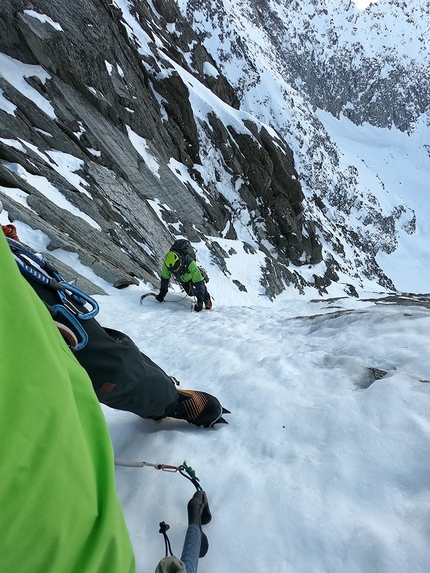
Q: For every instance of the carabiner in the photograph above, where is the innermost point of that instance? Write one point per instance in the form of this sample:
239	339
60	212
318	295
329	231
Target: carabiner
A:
80	297
74	322
166	468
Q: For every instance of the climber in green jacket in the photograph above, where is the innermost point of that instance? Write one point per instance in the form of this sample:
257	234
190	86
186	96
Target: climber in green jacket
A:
188	275
59	509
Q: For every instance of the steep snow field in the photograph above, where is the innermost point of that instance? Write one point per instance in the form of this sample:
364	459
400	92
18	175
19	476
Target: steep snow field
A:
318	470
394	167
390	168
324	465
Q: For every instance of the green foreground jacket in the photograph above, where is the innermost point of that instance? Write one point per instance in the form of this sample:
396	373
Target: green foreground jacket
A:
59	511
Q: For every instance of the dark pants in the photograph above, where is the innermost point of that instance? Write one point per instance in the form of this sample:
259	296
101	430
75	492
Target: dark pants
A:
191	290
122	376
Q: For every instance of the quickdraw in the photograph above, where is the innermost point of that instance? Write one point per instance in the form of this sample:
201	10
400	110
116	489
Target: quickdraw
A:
184	469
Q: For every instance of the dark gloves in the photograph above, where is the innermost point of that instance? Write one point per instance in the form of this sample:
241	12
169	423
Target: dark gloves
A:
199	306
160	296
198	514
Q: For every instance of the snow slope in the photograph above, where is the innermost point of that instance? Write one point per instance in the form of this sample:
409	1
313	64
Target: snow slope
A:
366	188
394	166
319	470
315	471
322	468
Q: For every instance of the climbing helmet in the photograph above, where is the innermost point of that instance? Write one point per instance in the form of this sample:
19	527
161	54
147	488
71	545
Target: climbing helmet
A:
172	261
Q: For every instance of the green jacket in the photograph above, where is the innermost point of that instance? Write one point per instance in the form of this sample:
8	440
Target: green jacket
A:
59	509
188	273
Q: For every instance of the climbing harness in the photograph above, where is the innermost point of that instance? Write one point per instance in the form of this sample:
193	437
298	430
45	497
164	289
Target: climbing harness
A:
35	267
184	469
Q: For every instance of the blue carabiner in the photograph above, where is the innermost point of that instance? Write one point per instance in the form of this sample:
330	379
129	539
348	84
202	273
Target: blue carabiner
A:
74	322
80	297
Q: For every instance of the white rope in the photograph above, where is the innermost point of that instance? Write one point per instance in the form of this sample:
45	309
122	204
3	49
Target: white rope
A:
164	467
134	464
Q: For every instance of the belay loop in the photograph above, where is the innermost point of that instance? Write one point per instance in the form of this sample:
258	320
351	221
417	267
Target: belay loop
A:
35	267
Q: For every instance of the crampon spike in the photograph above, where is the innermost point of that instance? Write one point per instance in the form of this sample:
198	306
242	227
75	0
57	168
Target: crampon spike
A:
221	420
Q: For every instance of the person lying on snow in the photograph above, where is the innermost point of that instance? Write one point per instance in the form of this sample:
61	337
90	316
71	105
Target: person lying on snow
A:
122	376
60	510
180	262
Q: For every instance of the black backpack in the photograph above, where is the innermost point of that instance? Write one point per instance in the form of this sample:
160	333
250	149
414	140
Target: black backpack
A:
184	247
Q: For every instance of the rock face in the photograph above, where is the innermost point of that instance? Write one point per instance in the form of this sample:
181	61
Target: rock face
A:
104	92
121	129
369	64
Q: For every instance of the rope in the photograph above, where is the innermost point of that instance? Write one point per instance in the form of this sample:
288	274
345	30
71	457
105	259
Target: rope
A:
181	299
142	464
192	297
181	469
130	464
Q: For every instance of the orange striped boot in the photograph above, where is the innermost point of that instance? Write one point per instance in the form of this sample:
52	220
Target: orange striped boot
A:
199	408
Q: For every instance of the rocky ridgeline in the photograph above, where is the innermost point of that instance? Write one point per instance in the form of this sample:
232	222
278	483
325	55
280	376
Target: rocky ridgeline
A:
111	89
369	65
